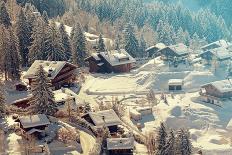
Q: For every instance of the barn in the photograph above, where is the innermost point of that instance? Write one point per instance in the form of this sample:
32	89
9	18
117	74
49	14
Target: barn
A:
116	61
179	51
59	72
215	91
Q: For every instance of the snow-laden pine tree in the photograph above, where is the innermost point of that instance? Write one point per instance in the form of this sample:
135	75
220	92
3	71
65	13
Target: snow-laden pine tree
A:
130	41
101	44
65	41
14	70
183	143
117	42
23	34
2	102
38	46
142	46
45	17
4	15
169	148
4	55
161	139
43	98
165	32
79	51
54	48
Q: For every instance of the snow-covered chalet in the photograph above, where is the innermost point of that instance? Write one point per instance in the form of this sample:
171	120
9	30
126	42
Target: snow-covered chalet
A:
116	61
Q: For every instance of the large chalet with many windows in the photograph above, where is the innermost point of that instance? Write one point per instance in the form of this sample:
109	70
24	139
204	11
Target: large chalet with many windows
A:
116	61
59	72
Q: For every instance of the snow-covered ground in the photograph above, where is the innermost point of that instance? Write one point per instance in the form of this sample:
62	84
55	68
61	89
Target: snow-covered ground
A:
207	123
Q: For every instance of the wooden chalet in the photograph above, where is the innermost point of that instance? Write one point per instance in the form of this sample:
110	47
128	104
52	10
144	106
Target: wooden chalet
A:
221	55
122	146
59	72
106	118
216	44
116	61
34	125
153	50
179	51
216	91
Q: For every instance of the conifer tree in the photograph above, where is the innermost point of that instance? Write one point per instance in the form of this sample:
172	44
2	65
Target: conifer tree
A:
65	41
184	145
142	46
4	16
131	43
169	148
43	97
161	139
54	49
45	17
79	52
2	102
13	71
23	34
101	44
165	32
38	46
4	47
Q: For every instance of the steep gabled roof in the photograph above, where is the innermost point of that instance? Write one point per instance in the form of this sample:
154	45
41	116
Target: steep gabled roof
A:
180	49
216	44
34	121
223	86
105	117
54	67
120	143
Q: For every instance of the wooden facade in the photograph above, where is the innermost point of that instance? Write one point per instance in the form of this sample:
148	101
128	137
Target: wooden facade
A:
100	64
210	90
64	74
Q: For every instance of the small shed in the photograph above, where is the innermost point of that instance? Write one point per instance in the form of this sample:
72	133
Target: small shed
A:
175	84
122	146
106	118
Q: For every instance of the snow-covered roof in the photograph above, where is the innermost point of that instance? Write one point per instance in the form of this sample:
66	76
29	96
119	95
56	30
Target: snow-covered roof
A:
223	86
120	143
175	82
222	53
61	95
117	57
216	44
51	67
180	49
64	94
143	109
105	117
158	46
34	120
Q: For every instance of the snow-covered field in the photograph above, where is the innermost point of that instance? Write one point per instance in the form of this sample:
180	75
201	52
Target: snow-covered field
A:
207	123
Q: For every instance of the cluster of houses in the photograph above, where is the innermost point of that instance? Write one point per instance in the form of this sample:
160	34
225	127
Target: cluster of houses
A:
63	74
